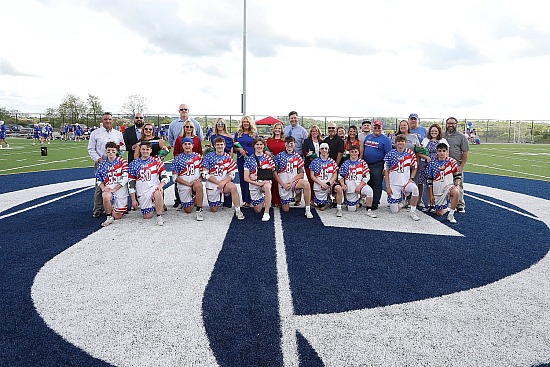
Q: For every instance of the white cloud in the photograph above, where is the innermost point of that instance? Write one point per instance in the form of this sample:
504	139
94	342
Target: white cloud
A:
350	58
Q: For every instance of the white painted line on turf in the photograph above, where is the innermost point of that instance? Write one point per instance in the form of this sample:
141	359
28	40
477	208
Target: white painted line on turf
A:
501	206
44	203
10	199
503	323
41	164
289	344
508	170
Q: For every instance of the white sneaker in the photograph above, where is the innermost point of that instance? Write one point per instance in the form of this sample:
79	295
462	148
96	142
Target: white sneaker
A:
339	212
266	217
160	220
308	214
371	214
451	218
179	208
414	216
421	204
200	217
239	214
108	221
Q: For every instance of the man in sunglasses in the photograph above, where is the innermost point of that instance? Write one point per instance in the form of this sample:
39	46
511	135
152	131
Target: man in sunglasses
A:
373	151
174	130
132	135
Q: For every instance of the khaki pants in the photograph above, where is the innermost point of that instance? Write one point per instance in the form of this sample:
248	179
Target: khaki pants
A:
461	203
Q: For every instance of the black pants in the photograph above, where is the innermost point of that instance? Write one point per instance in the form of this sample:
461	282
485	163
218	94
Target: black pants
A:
375	182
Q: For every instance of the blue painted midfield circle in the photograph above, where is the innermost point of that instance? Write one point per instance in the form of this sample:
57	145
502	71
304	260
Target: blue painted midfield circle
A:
330	270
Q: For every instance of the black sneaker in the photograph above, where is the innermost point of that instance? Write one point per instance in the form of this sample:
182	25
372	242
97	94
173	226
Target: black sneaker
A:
461	210
176	204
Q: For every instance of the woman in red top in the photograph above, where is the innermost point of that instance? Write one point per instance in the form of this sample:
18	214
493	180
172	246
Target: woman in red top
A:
276	144
188	130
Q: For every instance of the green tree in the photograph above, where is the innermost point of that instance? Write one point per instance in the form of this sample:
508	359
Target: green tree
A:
135	103
71	108
94	107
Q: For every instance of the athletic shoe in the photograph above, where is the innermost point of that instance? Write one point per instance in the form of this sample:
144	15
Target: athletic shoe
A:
160	220
199	215
297	203
165	208
339	212
308	214
266	217
371	214
461	210
239	214
421	204
109	221
405	204
414	216
96	214
176	204
451	218
179	208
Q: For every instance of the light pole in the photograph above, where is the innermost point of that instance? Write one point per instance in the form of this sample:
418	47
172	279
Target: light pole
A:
243	96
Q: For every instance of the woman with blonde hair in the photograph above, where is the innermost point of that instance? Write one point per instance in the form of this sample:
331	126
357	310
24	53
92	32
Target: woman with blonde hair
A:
276	144
188	131
244	147
220	131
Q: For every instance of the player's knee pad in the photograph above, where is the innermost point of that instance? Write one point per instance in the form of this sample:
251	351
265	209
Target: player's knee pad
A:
367	191
412	189
352	208
394	208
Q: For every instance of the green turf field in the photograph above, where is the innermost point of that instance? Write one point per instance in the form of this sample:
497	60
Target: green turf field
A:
515	160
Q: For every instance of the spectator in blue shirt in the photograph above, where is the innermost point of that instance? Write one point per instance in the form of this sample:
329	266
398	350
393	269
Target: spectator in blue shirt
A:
373	151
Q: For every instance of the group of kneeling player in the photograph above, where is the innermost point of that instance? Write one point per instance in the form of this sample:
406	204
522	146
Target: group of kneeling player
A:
144	179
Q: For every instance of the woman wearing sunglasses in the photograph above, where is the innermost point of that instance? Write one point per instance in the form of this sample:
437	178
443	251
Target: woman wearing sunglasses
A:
220	131
188	131
148	134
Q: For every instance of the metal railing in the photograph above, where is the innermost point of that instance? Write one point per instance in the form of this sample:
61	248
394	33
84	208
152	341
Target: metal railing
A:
487	130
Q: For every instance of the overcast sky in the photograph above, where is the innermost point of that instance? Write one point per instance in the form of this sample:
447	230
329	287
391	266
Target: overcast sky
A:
469	59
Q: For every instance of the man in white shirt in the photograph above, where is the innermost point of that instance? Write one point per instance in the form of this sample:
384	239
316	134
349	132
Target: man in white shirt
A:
96	150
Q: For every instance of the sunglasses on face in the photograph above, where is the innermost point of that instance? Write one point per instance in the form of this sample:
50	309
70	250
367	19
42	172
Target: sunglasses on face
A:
188	127
139	117
147	129
331	128
323	148
184	109
220	124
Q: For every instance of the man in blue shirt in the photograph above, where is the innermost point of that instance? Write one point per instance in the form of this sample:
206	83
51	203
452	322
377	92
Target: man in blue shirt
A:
373	151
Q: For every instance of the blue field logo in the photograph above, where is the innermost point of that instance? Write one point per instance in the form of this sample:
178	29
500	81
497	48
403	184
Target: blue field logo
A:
348	291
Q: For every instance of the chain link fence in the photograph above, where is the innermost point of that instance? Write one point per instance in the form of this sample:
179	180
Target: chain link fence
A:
487	131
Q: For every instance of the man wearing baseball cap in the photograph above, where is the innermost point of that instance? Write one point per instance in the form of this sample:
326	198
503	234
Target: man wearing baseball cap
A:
373	151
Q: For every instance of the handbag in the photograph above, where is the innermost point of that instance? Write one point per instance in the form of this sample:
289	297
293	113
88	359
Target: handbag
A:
263	174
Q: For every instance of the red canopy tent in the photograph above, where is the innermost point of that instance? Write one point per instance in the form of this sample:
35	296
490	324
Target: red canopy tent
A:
268	121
